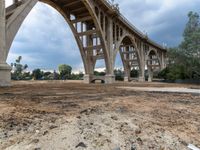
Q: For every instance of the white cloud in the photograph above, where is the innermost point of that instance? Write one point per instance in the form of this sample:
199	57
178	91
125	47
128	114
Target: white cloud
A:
8	2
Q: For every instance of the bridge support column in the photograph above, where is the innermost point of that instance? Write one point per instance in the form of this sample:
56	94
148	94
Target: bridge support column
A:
5	75
142	74
109	79
126	79
141	78
150	72
163	61
127	75
142	64
87	78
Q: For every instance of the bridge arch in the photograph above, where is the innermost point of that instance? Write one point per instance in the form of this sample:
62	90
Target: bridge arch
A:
129	53
98	27
85	28
153	63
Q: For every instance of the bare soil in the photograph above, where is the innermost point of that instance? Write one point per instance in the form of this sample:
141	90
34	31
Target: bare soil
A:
74	116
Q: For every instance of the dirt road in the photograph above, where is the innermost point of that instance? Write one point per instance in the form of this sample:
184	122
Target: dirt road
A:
76	116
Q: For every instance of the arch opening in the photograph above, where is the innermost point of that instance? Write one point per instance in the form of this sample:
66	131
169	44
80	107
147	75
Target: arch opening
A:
85	29
45	46
153	64
129	58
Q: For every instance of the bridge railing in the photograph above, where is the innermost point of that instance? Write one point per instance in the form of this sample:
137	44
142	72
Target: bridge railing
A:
132	26
109	4
126	21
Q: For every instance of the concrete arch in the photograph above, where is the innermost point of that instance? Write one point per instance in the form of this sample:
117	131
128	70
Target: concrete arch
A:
153	63
16	20
91	9
152	50
98	27
155	53
122	38
127	67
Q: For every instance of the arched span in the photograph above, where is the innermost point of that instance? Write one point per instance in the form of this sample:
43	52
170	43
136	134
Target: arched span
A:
86	22
153	54
152	51
130	55
132	39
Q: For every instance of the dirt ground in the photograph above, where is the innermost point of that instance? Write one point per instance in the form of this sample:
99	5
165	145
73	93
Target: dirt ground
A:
56	115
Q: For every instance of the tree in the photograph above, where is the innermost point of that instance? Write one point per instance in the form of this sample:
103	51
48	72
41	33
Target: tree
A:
184	60
37	74
78	76
191	35
191	45
134	73
99	73
65	71
18	69
119	74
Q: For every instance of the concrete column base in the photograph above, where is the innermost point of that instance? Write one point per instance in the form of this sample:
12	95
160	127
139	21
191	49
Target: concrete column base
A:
141	79
126	79
149	79
87	78
5	75
109	79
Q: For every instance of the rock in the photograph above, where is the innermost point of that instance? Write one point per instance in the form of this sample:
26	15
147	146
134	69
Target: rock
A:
35	141
52	127
138	131
117	148
121	109
133	147
45	132
5	135
86	111
114	118
19	129
37	131
139	140
78	117
81	144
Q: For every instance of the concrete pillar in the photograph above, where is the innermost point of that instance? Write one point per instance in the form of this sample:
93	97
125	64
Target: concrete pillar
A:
142	75
110	78
163	61
127	73
126	79
90	63
87	78
5	75
150	77
142	64
2	32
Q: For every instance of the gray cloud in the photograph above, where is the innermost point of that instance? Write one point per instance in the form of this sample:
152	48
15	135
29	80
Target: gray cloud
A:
164	21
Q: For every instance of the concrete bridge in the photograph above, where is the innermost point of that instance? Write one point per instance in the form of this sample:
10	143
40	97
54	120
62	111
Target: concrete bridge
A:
100	30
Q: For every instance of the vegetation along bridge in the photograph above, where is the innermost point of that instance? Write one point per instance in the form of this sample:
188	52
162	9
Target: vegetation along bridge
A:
100	31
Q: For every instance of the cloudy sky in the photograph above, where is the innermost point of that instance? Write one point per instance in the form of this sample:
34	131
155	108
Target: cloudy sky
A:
45	39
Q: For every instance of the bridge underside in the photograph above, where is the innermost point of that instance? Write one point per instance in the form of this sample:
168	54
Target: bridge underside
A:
100	32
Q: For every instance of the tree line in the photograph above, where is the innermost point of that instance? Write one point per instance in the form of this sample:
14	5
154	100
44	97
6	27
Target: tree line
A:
64	73
184	60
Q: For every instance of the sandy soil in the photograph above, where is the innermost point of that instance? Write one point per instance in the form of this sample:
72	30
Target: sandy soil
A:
75	116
